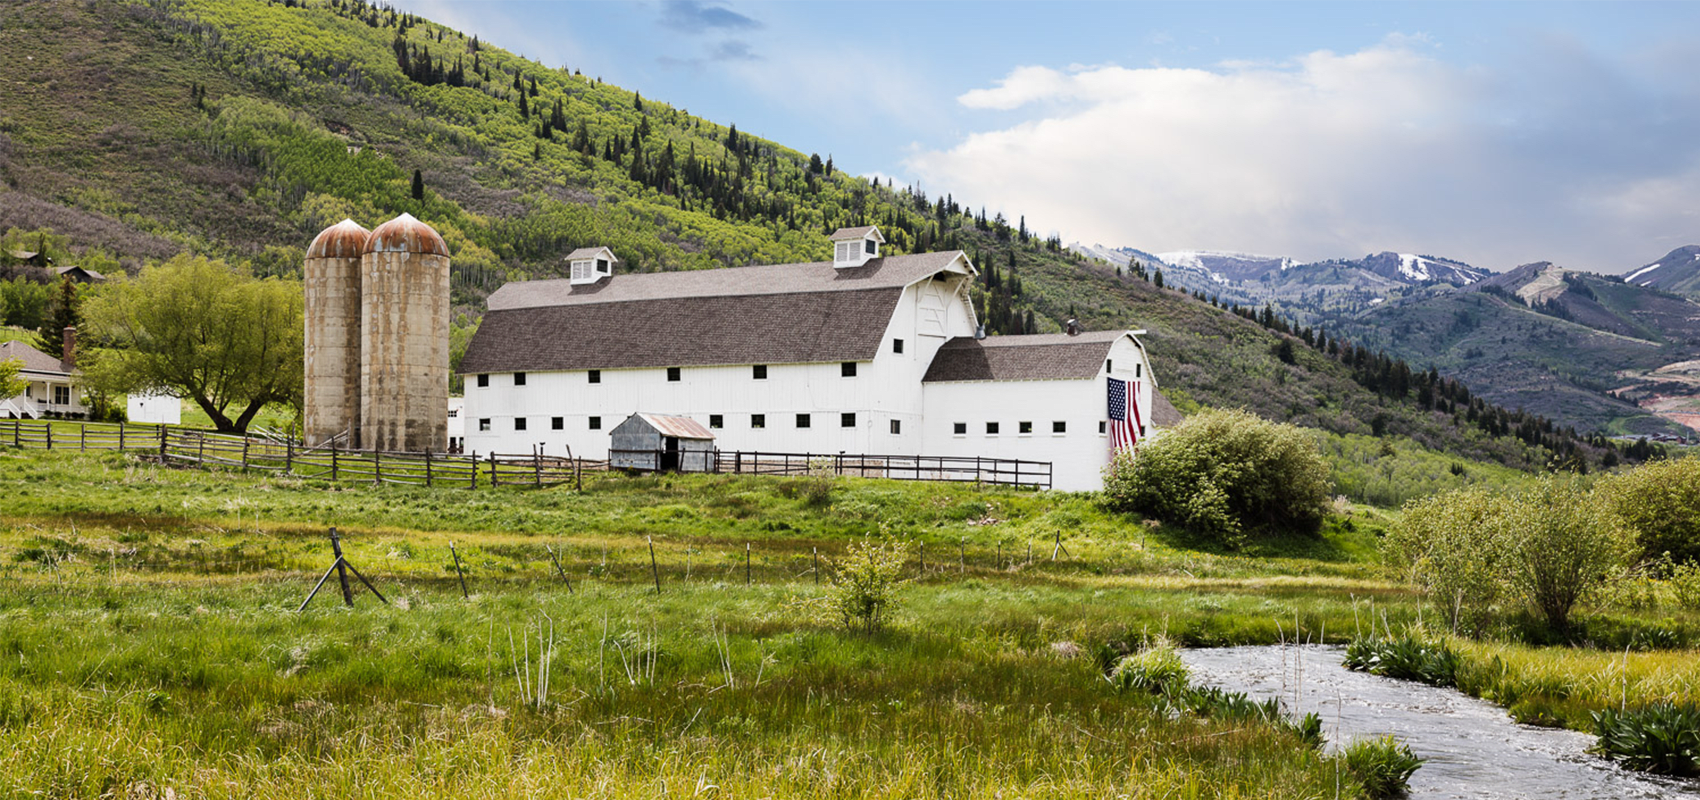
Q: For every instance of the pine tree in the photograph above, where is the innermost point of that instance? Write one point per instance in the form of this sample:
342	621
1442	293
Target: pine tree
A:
637	102
418	185
67	313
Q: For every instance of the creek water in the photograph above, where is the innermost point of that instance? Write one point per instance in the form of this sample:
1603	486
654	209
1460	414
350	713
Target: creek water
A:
1472	748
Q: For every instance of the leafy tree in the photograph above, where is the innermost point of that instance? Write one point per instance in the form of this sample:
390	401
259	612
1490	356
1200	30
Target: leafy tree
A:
1567	545
199	329
1224	475
1660	503
66	313
24	302
10	384
1455	547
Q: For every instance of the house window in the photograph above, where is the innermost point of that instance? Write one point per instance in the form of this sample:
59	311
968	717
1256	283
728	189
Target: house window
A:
897	426
1024	428
991	429
673	374
62	395
959	428
758	420
1059	427
1101	425
847	369
519	423
595	376
596	423
847	419
897	345
484	423
483	381
802	420
716	421
519	379
758	372
558	423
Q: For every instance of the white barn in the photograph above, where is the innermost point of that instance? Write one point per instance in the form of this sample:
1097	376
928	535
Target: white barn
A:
861	355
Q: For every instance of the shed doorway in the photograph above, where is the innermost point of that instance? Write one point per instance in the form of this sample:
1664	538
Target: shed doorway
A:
670	455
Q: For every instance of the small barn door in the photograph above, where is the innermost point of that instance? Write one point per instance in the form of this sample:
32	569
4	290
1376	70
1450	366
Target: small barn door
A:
670	455
932	308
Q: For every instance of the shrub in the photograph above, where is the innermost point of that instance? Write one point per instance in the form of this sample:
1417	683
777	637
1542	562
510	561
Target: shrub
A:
1685	584
1406	658
1567	545
1660	502
1156	668
1224	475
865	582
1663	737
1382	765
1454	546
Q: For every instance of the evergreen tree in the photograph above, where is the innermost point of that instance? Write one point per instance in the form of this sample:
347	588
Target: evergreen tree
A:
66	313
1157	278
637	101
418	185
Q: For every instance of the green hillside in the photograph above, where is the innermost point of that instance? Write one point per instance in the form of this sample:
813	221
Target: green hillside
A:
239	129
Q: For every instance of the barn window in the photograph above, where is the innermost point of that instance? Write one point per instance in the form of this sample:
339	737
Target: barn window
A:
870	247
483	381
596	423
558	423
802	420
991	429
758	372
847	369
716	421
484	423
519	423
1024	427
1109	365
758	420
1059	427
519	379
595	376
1137	369
897	426
959	428
673	374
847	419
897	345
1101	425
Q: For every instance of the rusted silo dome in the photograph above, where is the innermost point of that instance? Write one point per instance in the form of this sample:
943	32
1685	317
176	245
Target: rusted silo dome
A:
404	234
346	239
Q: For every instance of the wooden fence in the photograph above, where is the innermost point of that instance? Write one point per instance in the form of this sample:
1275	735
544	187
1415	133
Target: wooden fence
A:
177	445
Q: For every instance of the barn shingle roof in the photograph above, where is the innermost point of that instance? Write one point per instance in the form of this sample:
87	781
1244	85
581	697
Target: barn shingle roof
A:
1163	413
1037	357
781	314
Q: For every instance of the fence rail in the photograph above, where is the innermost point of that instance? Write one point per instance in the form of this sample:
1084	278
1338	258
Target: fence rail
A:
208	448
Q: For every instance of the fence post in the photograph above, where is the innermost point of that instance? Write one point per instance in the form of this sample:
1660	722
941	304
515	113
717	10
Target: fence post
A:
162	457
1018	473
537	467
976	470
245	442
201	449
120	437
473	463
746	563
82	437
653	570
289	455
377	466
49	435
341	570
458	572
492	469
333	460
427	467
816	551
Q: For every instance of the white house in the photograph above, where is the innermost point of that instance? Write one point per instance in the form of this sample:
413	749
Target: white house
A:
863	355
53	389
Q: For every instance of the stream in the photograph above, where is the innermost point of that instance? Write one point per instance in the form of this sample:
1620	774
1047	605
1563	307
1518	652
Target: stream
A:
1472	748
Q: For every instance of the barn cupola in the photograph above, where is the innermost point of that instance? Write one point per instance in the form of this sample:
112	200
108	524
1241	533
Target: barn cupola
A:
853	247
590	264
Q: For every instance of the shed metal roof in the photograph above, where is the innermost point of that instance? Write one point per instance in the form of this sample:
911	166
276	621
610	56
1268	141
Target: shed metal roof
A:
680	427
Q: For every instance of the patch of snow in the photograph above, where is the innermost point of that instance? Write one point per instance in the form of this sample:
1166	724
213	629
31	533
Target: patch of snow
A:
1649	268
1377	301
1414	267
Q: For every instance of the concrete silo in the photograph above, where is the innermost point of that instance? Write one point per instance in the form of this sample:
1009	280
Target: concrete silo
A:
404	334
331	275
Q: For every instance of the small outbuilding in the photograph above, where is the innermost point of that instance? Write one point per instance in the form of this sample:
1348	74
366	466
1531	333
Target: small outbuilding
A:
661	443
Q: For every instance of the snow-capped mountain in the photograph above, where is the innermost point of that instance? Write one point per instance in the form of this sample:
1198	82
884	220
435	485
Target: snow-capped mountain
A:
1226	268
1412	268
1678	271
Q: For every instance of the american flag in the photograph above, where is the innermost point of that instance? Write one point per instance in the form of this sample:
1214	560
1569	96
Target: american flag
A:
1124	414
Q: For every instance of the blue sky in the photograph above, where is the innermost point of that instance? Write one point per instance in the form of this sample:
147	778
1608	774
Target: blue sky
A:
1494	133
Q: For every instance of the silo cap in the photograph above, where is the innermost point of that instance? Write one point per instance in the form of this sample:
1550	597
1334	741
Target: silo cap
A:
346	239
404	234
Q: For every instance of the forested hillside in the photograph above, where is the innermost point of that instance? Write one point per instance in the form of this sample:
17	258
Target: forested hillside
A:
135	130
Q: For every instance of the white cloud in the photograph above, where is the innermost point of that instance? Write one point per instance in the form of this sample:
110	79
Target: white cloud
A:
1336	154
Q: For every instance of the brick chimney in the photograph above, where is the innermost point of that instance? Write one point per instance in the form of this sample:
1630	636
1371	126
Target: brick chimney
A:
70	347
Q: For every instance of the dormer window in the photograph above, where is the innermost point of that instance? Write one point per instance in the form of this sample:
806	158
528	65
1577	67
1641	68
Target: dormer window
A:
853	247
589	265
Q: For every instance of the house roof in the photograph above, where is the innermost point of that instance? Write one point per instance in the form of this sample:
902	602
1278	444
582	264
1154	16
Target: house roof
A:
89	272
857	233
779	314
34	360
681	427
1163	413
819	276
24	255
1035	357
589	252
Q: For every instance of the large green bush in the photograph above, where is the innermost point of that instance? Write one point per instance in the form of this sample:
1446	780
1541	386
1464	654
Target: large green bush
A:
1453	545
1225	475
1660	502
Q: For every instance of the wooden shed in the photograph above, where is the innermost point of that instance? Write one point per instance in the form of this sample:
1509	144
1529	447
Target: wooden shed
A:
659	442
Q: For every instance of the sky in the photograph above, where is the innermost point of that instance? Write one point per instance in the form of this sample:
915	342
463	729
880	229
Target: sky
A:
1493	133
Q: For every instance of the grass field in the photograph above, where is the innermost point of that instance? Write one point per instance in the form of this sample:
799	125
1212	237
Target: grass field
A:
149	640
